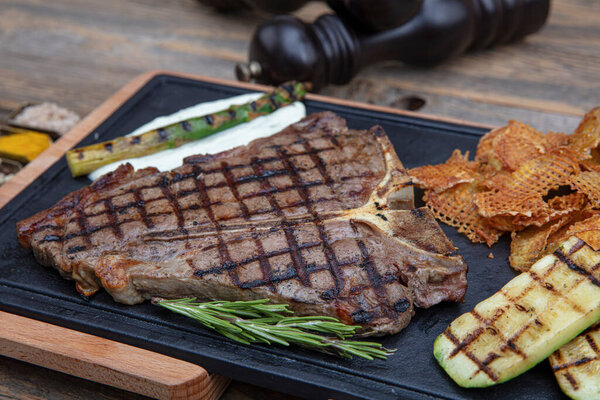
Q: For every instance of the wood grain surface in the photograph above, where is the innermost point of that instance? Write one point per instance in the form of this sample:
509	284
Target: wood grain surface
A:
79	52
105	361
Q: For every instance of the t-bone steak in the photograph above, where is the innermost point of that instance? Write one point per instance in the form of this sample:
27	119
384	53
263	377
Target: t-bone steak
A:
318	216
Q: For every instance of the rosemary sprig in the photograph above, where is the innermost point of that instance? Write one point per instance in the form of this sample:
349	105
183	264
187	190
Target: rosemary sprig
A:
256	321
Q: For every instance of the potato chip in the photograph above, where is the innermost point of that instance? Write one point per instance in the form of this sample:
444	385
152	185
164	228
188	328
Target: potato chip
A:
567	204
555	140
533	243
554	209
458	169
587	230
588	183
590	165
515	145
495	179
456	208
523	194
486	144
506	188
587	135
529	245
556	238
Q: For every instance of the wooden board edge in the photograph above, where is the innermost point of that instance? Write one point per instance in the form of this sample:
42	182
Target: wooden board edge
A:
105	361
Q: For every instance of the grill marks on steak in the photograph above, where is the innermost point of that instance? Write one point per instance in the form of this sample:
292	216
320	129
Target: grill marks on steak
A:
304	217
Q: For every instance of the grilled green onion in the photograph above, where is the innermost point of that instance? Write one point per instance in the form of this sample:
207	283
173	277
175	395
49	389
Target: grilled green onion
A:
84	160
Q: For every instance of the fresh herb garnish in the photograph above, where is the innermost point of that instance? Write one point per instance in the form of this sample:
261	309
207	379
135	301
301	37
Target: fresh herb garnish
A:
257	321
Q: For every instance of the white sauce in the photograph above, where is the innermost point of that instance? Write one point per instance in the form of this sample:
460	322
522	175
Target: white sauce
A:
225	140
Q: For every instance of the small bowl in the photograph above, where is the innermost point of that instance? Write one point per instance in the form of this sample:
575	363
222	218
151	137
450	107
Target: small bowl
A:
8	167
17	126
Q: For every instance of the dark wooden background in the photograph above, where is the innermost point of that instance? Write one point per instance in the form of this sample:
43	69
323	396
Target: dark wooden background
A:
78	52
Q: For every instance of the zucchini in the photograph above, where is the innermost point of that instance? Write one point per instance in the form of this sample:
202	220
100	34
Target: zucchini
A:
576	365
524	322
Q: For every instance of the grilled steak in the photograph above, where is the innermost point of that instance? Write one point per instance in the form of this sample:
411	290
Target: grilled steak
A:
317	216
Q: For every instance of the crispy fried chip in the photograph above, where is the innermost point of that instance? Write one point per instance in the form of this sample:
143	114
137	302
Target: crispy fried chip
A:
588	183
485	146
555	140
590	165
556	238
506	188
510	145
529	245
566	204
533	243
587	230
458	169
523	194
555	208
515	145
456	208
495	179
587	135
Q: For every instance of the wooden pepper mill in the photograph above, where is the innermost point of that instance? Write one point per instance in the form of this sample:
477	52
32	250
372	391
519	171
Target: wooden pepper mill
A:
375	15
372	15
332	50
270	6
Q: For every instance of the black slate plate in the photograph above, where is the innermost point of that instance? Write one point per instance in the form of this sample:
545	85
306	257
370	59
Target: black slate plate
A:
28	289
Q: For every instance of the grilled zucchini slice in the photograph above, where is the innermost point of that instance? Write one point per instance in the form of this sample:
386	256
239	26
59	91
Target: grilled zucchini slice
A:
576	365
524	322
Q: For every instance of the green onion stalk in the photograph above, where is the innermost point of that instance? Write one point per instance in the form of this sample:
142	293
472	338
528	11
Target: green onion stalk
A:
87	159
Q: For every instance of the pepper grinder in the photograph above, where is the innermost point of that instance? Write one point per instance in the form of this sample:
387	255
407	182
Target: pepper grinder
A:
374	15
270	6
332	50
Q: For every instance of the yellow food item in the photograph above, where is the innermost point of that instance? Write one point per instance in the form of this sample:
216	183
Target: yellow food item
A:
25	146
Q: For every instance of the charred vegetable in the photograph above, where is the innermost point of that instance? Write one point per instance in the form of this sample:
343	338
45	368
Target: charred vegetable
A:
525	321
87	159
577	363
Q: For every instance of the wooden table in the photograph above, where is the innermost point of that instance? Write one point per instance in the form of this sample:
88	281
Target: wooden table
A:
78	52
